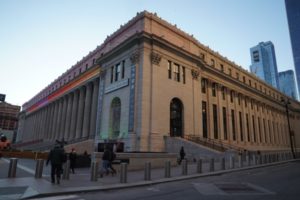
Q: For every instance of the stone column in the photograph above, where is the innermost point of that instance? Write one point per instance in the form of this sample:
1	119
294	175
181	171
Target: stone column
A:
94	107
55	128
68	116
79	120
72	134
63	117
58	121
87	111
52	120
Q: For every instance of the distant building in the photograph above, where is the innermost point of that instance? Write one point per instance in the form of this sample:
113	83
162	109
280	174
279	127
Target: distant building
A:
8	119
293	15
287	83
263	63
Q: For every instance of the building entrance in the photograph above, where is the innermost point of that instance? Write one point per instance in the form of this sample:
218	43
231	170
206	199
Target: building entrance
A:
176	118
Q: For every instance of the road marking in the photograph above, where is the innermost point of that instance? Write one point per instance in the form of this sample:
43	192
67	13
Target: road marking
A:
154	189
74	197
22	167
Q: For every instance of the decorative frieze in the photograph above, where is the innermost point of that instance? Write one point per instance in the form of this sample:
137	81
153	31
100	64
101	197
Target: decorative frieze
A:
155	58
195	74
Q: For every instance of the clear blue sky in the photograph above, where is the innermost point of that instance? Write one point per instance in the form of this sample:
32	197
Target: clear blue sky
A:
40	40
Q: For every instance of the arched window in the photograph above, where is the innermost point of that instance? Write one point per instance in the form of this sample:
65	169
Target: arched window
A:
115	116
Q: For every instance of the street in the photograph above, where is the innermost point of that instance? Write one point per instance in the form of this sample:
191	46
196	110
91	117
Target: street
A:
274	182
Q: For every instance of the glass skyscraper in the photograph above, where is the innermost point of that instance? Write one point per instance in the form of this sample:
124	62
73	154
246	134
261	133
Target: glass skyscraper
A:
293	15
287	83
263	63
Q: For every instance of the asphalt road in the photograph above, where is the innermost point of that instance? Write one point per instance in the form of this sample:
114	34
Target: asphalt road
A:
275	182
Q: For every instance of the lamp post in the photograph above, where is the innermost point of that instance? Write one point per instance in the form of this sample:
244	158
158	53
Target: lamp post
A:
286	103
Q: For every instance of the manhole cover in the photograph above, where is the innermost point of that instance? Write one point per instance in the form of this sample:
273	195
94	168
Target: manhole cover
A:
12	190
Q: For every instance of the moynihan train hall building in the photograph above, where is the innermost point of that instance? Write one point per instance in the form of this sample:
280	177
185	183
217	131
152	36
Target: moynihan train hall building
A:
150	81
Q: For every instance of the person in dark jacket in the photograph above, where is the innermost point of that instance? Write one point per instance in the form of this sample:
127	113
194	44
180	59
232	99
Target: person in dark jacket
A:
57	158
72	157
105	161
181	154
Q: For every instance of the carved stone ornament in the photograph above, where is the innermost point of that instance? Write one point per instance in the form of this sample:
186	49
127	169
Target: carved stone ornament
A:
155	58
102	72
195	74
134	58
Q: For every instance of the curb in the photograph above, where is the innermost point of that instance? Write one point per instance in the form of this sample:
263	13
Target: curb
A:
73	190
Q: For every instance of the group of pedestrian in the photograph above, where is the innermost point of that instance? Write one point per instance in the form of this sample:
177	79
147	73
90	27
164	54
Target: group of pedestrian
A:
107	158
57	157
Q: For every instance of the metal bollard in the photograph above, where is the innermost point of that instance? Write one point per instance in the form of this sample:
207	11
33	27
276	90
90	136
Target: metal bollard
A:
66	172
94	171
199	166
184	167
147	175
123	174
212	165
39	168
12	168
254	160
223	167
259	159
231	162
240	161
167	169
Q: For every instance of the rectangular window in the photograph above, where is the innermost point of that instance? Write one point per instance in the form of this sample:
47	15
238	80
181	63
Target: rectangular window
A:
170	69
177	72
239	99
215	117
237	76
223	92
244	79
183	75
204	119
250	83
86	66
254	131
203	85
231	96
229	72
117	72
233	125
225	123
241	126
255	56
246	102
213	89
248	129
112	74
123	69
212	62
222	67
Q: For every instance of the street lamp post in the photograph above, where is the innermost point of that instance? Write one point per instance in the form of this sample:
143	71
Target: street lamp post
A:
286	103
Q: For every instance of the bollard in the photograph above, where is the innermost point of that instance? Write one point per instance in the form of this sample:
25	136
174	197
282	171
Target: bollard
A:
147	175
199	166
123	173
240	161
12	168
167	169
39	168
259	159
254	160
184	167
66	172
231	162
223	167
94	171
212	165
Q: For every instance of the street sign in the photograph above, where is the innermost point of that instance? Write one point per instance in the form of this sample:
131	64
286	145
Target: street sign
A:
2	97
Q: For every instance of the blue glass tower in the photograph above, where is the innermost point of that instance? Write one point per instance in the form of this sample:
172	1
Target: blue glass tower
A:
264	64
293	15
287	83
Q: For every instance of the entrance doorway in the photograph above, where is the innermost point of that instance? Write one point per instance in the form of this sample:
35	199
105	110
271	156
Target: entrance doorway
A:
176	118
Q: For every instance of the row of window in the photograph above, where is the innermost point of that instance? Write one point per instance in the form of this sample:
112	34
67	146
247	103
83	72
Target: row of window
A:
204	83
273	127
117	72
212	63
176	72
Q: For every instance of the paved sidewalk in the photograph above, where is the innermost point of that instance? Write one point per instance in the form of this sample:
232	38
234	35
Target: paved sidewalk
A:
26	186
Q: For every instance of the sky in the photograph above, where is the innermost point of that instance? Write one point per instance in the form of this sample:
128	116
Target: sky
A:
40	40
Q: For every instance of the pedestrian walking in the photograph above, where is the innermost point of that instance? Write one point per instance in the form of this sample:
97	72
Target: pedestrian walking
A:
56	157
72	158
112	157
105	162
181	155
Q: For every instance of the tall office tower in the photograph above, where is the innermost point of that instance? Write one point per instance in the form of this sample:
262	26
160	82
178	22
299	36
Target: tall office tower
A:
263	61
293	15
287	83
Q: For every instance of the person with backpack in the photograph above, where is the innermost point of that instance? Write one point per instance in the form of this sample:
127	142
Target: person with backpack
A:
112	157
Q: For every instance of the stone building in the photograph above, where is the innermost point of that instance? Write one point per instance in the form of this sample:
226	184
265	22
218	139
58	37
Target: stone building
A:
150	80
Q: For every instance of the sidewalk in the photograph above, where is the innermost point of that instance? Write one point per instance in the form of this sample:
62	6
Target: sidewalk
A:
29	187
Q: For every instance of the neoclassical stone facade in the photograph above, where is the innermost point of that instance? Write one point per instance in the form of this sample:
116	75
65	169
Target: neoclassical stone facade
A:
149	80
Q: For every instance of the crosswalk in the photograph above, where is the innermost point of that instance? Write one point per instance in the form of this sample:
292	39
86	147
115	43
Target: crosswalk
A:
64	197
